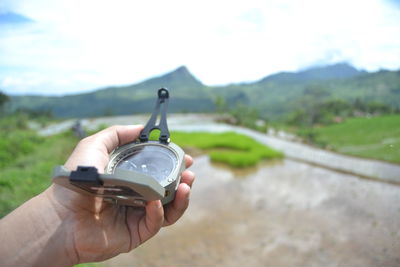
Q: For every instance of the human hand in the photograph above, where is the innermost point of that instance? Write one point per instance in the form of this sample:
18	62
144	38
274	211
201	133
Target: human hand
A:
98	230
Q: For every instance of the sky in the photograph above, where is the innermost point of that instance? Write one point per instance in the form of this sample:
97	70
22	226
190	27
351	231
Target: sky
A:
74	46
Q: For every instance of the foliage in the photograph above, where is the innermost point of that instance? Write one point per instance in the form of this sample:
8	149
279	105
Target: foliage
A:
3	99
373	137
17	143
240	114
245	116
220	104
329	111
230	148
29	173
26	160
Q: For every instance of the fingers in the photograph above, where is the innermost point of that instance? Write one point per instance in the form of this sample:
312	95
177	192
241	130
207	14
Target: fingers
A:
188	161
187	178
175	210
150	224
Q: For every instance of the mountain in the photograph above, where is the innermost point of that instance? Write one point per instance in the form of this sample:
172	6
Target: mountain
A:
188	93
339	71
274	96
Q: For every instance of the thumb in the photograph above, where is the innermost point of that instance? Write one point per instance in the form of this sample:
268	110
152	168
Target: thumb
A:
94	150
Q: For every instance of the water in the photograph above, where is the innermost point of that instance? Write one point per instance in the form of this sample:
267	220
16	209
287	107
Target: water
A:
285	213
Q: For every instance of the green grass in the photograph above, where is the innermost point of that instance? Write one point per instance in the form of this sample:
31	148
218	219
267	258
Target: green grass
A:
375	137
230	148
30	173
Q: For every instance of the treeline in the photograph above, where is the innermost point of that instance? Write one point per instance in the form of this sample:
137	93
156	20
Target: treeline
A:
336	110
318	106
19	117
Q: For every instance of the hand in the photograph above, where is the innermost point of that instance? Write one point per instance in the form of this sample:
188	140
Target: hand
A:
99	230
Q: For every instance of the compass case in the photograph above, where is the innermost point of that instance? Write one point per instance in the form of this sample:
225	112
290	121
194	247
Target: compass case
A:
168	181
124	187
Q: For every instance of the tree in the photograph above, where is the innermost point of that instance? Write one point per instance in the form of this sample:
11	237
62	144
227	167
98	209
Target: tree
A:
3	100
220	104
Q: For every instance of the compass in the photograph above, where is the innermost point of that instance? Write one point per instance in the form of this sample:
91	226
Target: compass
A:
137	172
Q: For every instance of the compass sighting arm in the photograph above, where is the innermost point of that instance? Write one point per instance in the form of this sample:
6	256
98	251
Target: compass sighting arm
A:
160	109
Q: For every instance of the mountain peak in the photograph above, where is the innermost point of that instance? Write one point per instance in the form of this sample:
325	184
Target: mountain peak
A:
181	75
334	71
182	69
338	69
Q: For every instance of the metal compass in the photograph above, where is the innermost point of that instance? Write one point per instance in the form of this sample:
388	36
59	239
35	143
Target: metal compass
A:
137	172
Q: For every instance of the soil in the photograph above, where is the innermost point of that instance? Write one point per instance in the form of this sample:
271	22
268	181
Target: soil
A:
284	213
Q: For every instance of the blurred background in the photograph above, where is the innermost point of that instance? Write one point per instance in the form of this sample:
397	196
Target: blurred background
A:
291	109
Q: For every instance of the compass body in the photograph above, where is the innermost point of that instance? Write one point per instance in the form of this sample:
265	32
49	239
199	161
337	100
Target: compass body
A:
163	162
137	172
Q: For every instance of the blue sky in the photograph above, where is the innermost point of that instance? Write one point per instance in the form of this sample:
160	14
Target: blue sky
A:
73	46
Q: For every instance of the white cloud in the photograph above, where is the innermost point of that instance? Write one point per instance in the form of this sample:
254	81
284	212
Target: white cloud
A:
76	45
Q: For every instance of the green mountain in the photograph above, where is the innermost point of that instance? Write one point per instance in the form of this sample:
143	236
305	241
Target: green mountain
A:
274	96
189	94
277	95
340	70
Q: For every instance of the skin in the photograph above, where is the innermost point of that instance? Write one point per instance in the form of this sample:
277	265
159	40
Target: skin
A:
60	227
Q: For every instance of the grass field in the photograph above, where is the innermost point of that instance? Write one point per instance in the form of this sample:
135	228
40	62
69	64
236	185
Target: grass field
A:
374	137
233	149
30	172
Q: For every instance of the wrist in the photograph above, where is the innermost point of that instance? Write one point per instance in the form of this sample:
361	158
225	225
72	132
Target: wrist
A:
35	235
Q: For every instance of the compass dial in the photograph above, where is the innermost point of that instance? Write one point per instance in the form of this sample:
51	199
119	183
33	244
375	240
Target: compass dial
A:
154	160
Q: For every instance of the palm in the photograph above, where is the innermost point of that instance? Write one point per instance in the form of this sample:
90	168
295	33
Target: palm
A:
101	235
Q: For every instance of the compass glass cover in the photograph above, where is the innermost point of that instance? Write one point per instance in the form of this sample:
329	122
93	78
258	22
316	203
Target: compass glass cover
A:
153	160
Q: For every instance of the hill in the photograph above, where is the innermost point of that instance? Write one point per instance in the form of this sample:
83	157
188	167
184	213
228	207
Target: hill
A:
274	96
189	95
278	94
340	70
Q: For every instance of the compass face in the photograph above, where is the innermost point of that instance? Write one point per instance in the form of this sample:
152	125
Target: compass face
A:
154	160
